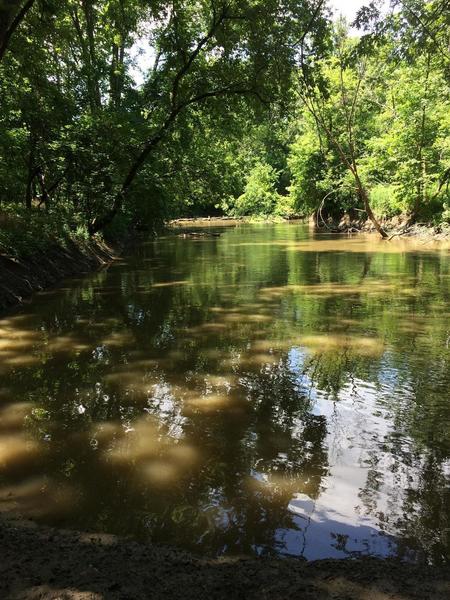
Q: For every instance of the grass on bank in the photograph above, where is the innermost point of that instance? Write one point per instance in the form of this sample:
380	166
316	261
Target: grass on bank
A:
27	232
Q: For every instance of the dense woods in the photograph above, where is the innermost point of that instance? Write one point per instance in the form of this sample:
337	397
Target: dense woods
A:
232	107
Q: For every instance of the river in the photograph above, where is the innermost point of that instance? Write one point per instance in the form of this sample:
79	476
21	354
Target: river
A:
263	391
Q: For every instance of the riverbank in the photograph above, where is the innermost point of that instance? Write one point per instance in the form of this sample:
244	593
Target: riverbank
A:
395	226
398	226
22	277
39	562
229	221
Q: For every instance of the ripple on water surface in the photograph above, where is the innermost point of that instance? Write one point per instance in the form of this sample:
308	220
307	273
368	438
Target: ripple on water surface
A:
265	391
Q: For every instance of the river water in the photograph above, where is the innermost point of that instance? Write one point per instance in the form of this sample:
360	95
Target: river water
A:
263	391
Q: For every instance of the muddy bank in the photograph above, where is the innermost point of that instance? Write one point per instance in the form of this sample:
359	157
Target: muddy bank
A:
230	221
20	278
38	562
399	226
395	226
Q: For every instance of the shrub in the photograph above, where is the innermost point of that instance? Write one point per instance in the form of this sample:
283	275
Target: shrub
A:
24	232
384	200
260	196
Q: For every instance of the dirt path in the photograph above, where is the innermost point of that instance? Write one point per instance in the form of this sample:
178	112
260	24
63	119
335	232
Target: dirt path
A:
44	563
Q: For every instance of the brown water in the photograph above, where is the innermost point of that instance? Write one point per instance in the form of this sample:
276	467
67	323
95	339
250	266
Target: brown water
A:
260	392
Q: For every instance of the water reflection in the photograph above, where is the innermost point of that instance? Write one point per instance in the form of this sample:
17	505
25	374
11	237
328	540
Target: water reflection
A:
262	392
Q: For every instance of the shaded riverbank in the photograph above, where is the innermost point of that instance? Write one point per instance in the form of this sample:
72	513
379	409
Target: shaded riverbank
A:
22	277
48	564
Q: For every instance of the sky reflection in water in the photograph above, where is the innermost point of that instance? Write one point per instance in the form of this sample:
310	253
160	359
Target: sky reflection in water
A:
260	392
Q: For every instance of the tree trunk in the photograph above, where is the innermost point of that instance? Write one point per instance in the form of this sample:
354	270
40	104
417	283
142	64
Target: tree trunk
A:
45	198
11	15
31	175
352	166
365	198
116	74
87	6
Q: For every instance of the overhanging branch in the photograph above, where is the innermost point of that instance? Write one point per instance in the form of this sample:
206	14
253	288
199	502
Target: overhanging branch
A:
4	42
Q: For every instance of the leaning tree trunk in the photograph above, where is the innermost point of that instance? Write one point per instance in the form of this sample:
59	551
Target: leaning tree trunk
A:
12	13
363	194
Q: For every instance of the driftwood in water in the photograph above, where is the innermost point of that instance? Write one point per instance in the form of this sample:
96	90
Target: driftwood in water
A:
199	234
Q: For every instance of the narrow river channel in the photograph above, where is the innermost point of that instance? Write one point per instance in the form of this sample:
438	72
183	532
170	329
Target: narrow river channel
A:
262	391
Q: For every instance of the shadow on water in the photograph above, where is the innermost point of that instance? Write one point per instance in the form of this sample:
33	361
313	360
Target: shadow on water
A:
259	393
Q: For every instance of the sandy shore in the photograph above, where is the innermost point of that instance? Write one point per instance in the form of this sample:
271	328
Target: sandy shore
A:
43	563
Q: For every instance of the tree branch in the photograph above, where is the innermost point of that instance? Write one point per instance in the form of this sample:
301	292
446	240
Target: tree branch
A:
200	45
99	223
13	26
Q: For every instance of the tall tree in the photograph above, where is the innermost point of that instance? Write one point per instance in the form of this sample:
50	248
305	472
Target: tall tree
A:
226	55
332	96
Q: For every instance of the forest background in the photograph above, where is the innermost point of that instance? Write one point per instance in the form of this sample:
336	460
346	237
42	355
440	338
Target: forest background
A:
268	108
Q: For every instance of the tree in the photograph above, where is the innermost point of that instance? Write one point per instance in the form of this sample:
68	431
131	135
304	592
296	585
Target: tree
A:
260	196
80	136
12	13
332	96
226	56
205	57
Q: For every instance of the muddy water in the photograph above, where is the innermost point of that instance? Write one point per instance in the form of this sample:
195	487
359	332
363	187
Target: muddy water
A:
260	392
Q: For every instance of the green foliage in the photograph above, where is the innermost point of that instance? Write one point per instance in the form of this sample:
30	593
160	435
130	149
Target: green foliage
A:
366	112
78	131
410	150
308	170
24	232
260	196
385	201
446	213
217	122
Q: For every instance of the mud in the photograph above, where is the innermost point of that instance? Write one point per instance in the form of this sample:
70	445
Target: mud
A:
20	278
47	564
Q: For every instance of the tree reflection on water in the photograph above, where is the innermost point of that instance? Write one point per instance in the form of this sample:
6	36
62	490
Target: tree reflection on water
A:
262	392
